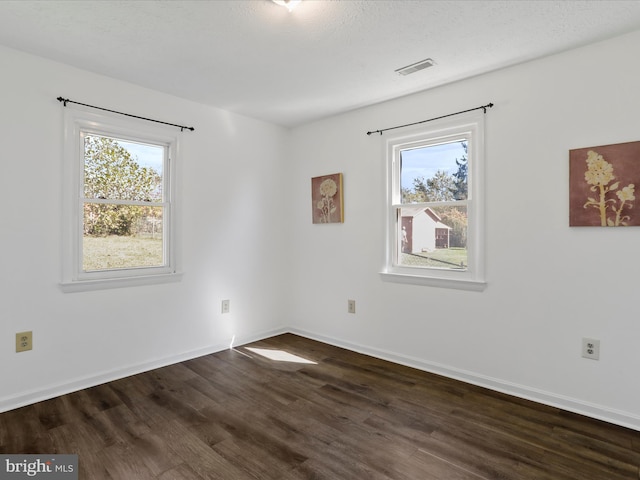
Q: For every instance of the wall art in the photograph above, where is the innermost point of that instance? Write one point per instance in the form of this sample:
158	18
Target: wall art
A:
602	182
326	199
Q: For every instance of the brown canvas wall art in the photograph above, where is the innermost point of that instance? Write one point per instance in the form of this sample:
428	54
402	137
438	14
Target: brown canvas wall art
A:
326	199
602	182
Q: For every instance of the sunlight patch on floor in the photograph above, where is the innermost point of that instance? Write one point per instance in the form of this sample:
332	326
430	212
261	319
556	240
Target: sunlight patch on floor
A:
280	355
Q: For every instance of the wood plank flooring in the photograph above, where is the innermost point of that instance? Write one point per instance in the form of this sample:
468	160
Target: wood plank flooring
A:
239	415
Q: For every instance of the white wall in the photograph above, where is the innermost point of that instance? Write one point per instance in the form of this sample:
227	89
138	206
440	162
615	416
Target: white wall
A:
231	225
548	285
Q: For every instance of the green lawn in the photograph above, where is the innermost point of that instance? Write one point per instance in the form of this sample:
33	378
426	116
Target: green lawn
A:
112	252
442	257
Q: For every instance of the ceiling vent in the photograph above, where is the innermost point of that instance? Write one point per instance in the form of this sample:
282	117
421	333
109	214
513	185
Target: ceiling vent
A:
421	65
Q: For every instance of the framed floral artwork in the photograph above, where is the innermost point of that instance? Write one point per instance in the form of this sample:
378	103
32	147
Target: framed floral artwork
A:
602	183
326	199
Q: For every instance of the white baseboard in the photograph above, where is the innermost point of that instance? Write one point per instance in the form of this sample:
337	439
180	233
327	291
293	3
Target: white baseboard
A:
599	412
34	396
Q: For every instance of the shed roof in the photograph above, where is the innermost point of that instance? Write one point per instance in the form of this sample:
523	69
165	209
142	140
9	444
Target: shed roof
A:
415	211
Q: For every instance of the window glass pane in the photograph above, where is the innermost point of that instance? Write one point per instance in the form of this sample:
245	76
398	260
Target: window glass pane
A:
434	173
122	236
433	237
116	169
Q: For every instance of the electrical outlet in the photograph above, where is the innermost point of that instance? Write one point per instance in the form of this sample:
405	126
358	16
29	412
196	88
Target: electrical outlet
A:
351	306
591	348
24	341
225	306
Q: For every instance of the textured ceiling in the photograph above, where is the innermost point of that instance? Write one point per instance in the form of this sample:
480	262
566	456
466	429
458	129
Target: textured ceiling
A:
257	59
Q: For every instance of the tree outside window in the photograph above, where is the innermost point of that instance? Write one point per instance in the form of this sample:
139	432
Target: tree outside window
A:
122	206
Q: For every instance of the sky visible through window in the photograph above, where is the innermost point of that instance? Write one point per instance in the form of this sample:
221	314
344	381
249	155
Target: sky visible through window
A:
146	155
426	161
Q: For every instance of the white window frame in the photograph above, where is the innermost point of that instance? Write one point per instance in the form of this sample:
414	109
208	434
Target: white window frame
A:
77	124
469	126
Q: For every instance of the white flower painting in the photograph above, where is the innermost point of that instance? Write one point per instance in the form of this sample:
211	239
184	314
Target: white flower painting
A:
602	182
326	199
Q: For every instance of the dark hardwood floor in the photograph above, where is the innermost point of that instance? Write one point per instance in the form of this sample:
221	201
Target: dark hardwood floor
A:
239	415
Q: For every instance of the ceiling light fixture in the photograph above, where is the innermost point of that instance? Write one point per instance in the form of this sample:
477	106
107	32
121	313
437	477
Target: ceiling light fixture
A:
289	4
415	67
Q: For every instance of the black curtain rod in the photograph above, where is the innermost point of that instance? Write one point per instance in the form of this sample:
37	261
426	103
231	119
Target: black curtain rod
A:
483	107
181	127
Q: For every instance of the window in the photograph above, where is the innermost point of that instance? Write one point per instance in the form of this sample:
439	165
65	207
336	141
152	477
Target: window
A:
119	208
435	204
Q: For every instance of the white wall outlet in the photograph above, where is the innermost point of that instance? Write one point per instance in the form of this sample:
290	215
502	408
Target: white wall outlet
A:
225	306
591	348
351	306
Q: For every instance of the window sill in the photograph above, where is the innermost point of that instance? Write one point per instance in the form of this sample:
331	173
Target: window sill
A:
108	283
458	284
